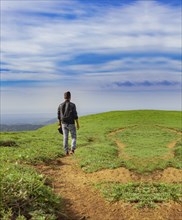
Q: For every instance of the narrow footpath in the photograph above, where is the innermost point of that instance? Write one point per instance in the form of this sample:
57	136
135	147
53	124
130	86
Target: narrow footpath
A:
82	201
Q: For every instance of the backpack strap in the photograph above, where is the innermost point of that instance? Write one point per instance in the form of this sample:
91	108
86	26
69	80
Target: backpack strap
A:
66	106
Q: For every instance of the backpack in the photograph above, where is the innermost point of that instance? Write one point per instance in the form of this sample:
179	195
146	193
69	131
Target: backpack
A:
66	112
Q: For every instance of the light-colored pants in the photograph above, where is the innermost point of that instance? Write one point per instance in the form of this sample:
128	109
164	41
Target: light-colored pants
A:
66	129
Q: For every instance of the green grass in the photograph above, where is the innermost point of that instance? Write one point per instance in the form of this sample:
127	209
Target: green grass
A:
100	156
146	141
176	161
146	137
42	145
141	194
146	147
23	193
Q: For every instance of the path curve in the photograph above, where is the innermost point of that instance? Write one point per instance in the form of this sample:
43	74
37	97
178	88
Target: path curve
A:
82	201
121	145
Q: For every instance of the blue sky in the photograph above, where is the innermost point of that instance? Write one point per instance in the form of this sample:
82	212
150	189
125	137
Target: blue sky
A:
111	55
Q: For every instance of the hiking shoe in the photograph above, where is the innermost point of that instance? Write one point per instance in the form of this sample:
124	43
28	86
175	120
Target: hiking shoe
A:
67	153
72	151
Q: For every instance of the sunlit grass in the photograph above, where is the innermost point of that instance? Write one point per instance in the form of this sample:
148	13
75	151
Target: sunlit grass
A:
23	194
144	134
141	194
145	137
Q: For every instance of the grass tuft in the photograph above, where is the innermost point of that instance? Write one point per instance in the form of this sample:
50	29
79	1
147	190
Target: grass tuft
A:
8	143
141	194
24	194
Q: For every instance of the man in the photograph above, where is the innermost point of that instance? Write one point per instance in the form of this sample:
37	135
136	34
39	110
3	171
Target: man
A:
67	116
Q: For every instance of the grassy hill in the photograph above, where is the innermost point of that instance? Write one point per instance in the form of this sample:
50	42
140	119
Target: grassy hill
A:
145	135
142	141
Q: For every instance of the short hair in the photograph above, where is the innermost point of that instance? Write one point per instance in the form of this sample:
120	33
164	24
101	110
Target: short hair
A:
67	95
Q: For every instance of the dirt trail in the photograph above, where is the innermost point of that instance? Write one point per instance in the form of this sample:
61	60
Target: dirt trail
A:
173	143
120	145
82	201
169	175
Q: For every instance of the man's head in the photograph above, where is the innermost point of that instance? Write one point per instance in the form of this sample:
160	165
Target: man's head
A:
67	95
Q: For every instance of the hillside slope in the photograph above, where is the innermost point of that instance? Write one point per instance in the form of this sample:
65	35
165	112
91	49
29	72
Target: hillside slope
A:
117	152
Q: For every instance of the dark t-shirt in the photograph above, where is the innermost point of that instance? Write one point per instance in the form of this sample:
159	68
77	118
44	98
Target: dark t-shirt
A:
73	112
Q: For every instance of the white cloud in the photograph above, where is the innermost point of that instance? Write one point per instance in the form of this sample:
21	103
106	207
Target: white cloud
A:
35	47
131	63
140	26
121	69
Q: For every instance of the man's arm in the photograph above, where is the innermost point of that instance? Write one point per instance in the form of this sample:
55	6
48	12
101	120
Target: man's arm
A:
77	124
59	115
75	115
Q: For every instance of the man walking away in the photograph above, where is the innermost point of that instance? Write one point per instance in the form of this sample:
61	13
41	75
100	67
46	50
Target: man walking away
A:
67	116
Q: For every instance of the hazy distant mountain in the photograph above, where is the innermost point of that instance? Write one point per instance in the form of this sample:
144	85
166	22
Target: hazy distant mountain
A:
25	122
51	121
19	127
35	119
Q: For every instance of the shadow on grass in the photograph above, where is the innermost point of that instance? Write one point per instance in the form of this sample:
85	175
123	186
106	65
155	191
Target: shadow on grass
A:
69	213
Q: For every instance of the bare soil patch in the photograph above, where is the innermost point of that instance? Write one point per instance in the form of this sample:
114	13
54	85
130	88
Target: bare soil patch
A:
82	201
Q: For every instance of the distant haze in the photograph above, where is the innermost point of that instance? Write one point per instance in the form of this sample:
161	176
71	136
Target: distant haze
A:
25	118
